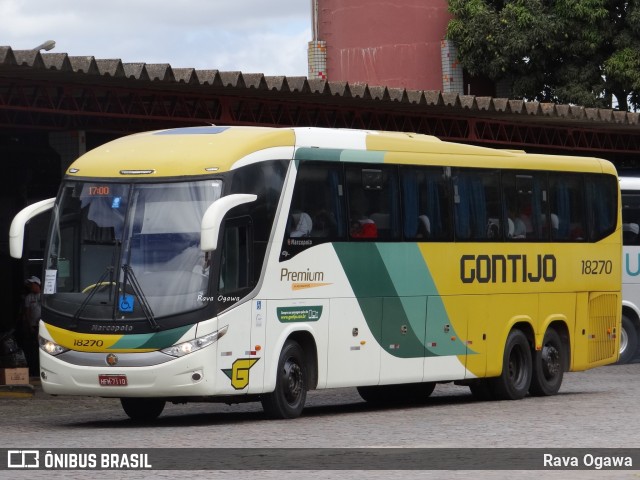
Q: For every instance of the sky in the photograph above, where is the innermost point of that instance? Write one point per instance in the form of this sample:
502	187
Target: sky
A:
251	36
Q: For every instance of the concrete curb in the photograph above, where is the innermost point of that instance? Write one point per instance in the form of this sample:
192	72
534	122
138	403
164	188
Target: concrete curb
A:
17	391
20	391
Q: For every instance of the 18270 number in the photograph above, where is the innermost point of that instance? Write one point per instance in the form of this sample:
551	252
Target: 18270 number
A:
597	267
79	342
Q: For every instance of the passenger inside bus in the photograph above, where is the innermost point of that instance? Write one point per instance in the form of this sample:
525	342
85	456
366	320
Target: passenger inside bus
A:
360	225
424	227
302	225
555	223
363	228
517	227
324	224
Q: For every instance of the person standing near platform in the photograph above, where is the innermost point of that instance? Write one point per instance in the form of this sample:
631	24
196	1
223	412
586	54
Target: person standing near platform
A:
31	317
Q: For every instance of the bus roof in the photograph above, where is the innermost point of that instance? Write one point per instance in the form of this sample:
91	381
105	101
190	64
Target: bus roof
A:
196	151
630	183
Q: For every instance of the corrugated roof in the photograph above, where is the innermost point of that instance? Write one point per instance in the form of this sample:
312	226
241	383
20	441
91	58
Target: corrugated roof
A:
89	69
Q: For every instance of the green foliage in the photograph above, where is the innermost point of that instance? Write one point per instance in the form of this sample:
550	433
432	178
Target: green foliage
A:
565	51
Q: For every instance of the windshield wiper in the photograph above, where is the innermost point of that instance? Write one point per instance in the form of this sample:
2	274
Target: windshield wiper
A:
144	304
96	286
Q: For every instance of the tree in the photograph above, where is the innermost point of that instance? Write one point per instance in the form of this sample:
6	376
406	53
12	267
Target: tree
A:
564	51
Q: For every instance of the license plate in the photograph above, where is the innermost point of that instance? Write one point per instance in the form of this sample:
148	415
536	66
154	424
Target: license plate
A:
113	380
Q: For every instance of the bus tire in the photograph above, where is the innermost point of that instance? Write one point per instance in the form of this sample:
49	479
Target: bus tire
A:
290	394
514	382
419	392
142	409
548	365
628	340
481	389
376	394
397	394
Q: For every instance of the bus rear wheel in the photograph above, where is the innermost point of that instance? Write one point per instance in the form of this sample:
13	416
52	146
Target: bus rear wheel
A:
514	382
628	340
481	389
290	394
548	366
142	409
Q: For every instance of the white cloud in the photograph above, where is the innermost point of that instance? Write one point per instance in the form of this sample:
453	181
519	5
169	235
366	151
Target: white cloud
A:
254	36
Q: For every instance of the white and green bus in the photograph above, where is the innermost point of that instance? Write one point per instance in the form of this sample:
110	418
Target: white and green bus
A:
240	263
630	186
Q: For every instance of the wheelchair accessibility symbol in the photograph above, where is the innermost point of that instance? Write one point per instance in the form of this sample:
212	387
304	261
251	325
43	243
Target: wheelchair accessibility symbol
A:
125	303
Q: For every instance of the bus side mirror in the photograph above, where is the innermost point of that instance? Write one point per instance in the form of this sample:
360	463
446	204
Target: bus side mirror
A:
212	218
16	231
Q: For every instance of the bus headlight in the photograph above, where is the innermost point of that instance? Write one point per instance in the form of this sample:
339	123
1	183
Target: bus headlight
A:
50	347
191	346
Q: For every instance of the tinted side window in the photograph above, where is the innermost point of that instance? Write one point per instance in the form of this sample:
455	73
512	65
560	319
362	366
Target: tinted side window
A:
426	203
525	205
602	204
566	202
317	206
477	204
373	202
317	211
235	274
630	218
265	180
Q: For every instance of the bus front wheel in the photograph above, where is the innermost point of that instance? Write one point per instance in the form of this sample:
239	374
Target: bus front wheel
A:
142	409
628	340
513	383
290	394
548	365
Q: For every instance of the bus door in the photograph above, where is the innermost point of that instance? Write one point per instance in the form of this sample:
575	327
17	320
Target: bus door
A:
236	355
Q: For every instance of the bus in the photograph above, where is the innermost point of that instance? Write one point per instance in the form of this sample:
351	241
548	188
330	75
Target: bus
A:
630	186
238	264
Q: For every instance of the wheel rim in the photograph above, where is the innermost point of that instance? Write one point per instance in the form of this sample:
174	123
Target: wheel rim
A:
293	381
550	361
516	366
624	340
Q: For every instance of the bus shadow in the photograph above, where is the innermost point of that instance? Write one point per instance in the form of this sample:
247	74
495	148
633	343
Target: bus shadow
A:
185	419
201	418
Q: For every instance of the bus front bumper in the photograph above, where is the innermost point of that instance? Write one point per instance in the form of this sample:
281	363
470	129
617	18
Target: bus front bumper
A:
80	373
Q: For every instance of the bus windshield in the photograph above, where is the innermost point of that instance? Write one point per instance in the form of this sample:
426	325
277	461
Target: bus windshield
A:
128	251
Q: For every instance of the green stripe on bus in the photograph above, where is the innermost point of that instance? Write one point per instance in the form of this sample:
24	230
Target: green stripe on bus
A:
399	299
154	341
362	156
339	155
411	277
322	154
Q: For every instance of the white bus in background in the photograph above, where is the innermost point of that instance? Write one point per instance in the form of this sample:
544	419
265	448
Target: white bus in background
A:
630	190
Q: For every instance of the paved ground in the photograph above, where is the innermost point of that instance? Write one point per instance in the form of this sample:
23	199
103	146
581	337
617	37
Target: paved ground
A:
594	409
